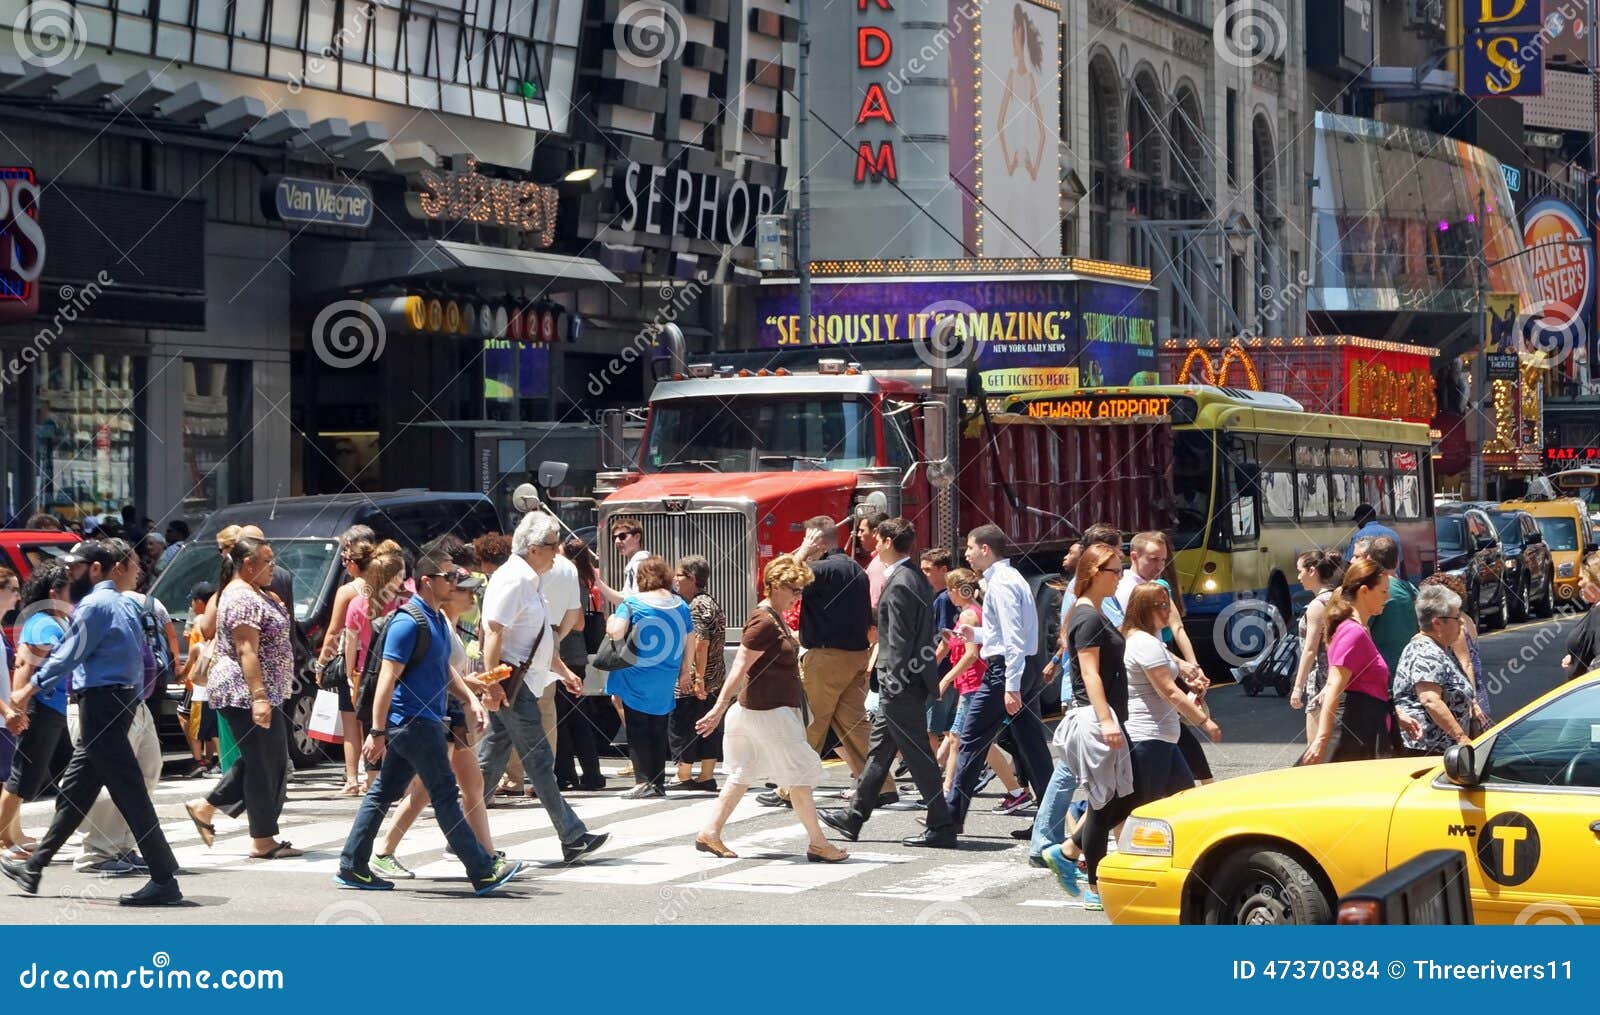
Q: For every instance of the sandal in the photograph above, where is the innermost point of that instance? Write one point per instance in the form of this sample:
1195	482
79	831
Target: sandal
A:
18	853
208	833
351	789
833	854
715	847
282	851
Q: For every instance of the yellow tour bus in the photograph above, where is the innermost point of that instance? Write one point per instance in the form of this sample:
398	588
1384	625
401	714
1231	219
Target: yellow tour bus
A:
1256	481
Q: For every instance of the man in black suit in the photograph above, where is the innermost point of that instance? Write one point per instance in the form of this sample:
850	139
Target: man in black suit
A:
908	678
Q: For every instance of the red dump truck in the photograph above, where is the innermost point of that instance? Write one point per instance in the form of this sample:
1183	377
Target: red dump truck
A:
733	460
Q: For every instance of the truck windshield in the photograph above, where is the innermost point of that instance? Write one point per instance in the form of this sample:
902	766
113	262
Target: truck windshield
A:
759	434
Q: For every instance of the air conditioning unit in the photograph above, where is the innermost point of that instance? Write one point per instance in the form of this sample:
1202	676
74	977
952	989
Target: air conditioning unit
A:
1426	14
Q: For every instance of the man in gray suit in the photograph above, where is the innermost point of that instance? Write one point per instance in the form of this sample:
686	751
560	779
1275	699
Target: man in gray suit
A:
908	677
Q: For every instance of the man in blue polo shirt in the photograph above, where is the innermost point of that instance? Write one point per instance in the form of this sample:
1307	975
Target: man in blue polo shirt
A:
103	657
409	733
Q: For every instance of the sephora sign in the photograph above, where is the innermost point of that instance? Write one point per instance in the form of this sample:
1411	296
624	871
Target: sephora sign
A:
21	244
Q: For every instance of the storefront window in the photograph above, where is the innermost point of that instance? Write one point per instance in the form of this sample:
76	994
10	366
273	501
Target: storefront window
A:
84	438
215	458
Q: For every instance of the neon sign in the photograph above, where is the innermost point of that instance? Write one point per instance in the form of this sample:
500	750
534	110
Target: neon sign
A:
1104	407
874	47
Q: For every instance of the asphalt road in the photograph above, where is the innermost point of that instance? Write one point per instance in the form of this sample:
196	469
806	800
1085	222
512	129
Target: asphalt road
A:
650	872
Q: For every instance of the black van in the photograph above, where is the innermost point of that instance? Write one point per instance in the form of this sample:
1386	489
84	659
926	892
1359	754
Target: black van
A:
304	533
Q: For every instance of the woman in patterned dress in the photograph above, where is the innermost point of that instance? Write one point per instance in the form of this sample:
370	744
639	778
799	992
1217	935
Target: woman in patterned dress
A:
1429	683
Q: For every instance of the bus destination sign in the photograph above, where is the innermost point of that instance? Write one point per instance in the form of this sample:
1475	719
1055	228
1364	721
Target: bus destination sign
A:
1116	406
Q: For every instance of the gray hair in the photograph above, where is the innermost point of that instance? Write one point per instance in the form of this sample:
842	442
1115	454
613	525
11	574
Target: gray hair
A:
1360	547
535	528
1435	602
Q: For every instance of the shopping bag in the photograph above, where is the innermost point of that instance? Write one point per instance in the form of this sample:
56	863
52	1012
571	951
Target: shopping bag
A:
326	724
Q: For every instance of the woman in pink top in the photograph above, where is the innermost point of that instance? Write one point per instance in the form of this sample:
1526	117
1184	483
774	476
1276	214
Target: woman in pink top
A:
383	572
1354	714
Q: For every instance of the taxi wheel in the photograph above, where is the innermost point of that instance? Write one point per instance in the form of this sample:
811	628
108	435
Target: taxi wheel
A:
1261	887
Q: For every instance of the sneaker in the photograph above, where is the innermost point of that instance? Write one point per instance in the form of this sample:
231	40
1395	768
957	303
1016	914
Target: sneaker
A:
1013	802
773	799
1091	901
389	867
645	791
199	771
132	857
504	870
985	777
112	868
1065	870
367	882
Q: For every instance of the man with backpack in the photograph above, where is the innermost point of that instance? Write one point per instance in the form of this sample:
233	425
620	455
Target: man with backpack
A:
109	849
409	736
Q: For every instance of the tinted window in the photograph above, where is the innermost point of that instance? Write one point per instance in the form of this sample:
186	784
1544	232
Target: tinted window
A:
309	560
1559	533
1553	746
1450	533
1510	529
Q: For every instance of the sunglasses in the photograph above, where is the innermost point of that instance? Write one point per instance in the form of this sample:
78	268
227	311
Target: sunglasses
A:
454	577
620	536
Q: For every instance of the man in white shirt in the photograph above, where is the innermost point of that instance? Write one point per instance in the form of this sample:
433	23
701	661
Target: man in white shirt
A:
629	540
518	630
1008	635
1148	553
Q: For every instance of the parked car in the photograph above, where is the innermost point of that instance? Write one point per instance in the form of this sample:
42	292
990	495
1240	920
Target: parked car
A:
1469	548
1565	524
1530	573
24	549
304	533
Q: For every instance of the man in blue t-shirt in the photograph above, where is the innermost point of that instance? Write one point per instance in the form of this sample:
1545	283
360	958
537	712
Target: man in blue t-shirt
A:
1368	527
410	736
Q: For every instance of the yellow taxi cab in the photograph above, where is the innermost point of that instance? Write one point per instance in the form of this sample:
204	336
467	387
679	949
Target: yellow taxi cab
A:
1522	802
1567	533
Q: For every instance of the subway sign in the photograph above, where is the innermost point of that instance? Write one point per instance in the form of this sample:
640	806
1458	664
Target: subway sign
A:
1503	48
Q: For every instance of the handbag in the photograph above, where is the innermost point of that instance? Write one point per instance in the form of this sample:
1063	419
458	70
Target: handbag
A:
331	672
594	631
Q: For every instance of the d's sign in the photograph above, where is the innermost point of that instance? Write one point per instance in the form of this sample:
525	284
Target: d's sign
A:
1562	258
21	244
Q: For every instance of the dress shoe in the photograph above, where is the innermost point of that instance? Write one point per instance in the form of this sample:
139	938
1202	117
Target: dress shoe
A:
840	821
716	847
773	799
155	893
1022	833
936	838
590	842
18	870
956	828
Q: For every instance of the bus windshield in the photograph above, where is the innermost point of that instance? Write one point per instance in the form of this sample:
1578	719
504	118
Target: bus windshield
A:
1559	533
751	433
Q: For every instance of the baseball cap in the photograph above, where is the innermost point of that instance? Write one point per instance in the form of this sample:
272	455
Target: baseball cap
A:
73	555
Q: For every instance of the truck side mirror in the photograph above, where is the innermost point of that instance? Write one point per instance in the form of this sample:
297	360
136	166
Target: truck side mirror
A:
935	425
612	450
525	498
552	474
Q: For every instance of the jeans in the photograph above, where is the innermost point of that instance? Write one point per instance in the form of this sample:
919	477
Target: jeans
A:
986	718
106	835
519	726
259	779
1050	824
104	758
419	748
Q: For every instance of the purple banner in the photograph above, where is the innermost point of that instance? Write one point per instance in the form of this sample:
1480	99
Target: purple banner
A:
1027	333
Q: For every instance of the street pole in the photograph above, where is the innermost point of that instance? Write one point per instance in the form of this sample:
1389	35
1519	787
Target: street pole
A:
802	212
1478	387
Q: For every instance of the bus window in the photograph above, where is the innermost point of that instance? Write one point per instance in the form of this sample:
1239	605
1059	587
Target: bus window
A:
1311	469
1191	481
1242	473
1277	481
1375	491
1346	483
1407	486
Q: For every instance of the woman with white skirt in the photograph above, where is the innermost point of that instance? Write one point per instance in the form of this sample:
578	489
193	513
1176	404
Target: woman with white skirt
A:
765	736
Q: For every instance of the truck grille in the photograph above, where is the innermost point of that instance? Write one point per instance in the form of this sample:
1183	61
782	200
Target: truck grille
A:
722	536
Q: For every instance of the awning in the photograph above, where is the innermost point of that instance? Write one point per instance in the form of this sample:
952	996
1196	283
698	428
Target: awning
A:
372	264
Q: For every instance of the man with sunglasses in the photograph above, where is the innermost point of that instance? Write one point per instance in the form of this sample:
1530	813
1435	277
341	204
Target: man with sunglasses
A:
517	630
409	734
628	538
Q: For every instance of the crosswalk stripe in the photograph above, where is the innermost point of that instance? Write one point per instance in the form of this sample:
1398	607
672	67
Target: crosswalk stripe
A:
797	874
954	882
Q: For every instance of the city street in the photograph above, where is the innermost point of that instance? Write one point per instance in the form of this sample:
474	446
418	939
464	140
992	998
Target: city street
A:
650	873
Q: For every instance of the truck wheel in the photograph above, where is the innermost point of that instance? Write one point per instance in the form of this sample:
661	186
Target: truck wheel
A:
303	751
1262	887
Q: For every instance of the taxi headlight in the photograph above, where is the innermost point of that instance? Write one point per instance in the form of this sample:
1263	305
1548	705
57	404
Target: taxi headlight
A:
1146	837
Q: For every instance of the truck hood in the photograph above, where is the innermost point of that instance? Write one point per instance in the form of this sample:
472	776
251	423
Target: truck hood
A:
825	490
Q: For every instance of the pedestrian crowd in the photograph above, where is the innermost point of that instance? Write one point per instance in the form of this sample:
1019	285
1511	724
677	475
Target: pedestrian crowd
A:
457	671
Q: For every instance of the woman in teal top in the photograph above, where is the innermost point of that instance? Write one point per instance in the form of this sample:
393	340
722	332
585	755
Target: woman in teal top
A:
655	624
